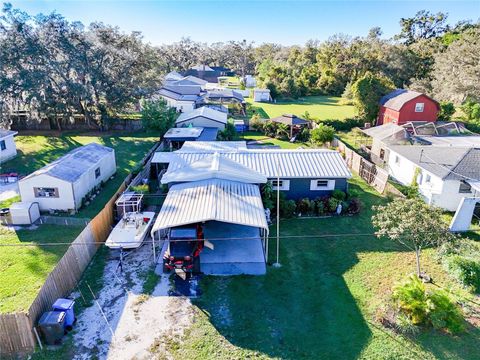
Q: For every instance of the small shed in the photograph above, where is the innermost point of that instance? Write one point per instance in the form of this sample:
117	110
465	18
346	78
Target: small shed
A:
203	117
262	95
240	126
24	213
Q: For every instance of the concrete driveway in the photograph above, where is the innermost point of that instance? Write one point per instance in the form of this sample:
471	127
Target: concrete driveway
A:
241	255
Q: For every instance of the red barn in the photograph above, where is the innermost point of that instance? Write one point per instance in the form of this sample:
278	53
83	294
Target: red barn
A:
402	106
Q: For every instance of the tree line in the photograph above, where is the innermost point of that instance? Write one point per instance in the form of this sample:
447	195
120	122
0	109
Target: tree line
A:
56	69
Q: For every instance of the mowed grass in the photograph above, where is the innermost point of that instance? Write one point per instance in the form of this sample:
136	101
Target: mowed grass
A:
321	303
318	107
23	269
37	151
266	140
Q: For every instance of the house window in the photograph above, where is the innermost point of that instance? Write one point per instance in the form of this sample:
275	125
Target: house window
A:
280	184
3	146
464	187
322	184
419	107
97	173
41	192
397	160
428	179
382	154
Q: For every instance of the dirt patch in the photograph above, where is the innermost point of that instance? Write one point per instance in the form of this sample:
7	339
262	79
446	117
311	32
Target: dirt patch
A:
130	322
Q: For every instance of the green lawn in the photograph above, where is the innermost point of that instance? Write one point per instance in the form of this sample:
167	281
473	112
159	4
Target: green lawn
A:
319	107
321	303
24	269
37	151
265	140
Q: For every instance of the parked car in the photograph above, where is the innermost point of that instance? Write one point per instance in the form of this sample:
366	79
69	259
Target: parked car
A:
183	251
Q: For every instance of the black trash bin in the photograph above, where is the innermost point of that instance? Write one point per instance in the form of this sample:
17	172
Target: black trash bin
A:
51	326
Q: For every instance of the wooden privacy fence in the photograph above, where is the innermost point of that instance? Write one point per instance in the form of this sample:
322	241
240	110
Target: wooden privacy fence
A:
16	330
371	173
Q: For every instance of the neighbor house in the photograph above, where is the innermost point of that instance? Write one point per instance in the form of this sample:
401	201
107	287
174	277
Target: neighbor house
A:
402	106
444	174
190	80
184	98
298	173
8	149
64	183
203	117
381	137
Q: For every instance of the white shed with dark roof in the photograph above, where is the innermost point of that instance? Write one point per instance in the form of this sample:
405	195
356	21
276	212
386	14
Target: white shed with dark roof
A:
64	183
203	117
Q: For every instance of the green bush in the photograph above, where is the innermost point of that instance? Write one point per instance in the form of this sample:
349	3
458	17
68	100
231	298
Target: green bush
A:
322	134
465	270
319	206
333	204
354	206
141	189
426	308
303	206
339	195
287	209
343	125
229	133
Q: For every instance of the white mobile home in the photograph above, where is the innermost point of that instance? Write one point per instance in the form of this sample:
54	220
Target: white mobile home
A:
8	149
63	184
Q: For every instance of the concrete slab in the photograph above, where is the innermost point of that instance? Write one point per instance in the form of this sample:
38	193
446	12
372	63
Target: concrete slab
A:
243	255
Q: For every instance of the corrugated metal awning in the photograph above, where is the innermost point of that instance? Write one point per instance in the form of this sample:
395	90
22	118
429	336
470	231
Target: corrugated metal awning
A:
214	199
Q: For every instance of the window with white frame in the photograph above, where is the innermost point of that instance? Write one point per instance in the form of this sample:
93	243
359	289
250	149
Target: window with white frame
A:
322	184
419	107
280	184
44	192
97	173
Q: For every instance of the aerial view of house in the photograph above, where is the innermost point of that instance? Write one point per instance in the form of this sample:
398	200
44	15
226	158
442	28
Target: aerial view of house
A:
206	180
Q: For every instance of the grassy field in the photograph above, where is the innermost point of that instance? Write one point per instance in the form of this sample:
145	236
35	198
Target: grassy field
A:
37	151
322	302
23	269
319	107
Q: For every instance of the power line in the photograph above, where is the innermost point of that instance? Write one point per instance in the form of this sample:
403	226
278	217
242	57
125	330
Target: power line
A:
209	239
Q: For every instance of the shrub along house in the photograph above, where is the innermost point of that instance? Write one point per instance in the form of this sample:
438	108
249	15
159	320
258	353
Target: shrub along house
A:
64	183
402	106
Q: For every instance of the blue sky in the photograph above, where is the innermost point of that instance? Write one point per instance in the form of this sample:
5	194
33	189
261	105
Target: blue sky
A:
286	22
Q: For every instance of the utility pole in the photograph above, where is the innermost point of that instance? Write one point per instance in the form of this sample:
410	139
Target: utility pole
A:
277	263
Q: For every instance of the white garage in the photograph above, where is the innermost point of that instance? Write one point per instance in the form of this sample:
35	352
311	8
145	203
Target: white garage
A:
64	183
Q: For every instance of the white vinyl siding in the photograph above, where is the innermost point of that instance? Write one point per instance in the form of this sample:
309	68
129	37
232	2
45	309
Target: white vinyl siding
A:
322	184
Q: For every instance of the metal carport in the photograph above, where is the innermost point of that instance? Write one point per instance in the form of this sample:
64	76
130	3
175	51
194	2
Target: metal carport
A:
214	200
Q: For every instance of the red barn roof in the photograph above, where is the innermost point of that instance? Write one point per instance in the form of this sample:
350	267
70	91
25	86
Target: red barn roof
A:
397	98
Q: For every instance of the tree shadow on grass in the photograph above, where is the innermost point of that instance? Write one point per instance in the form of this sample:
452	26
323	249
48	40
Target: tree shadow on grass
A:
306	309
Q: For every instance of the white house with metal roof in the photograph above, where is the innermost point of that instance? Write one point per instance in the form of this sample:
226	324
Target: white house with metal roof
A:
8	148
63	184
184	98
445	174
203	117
